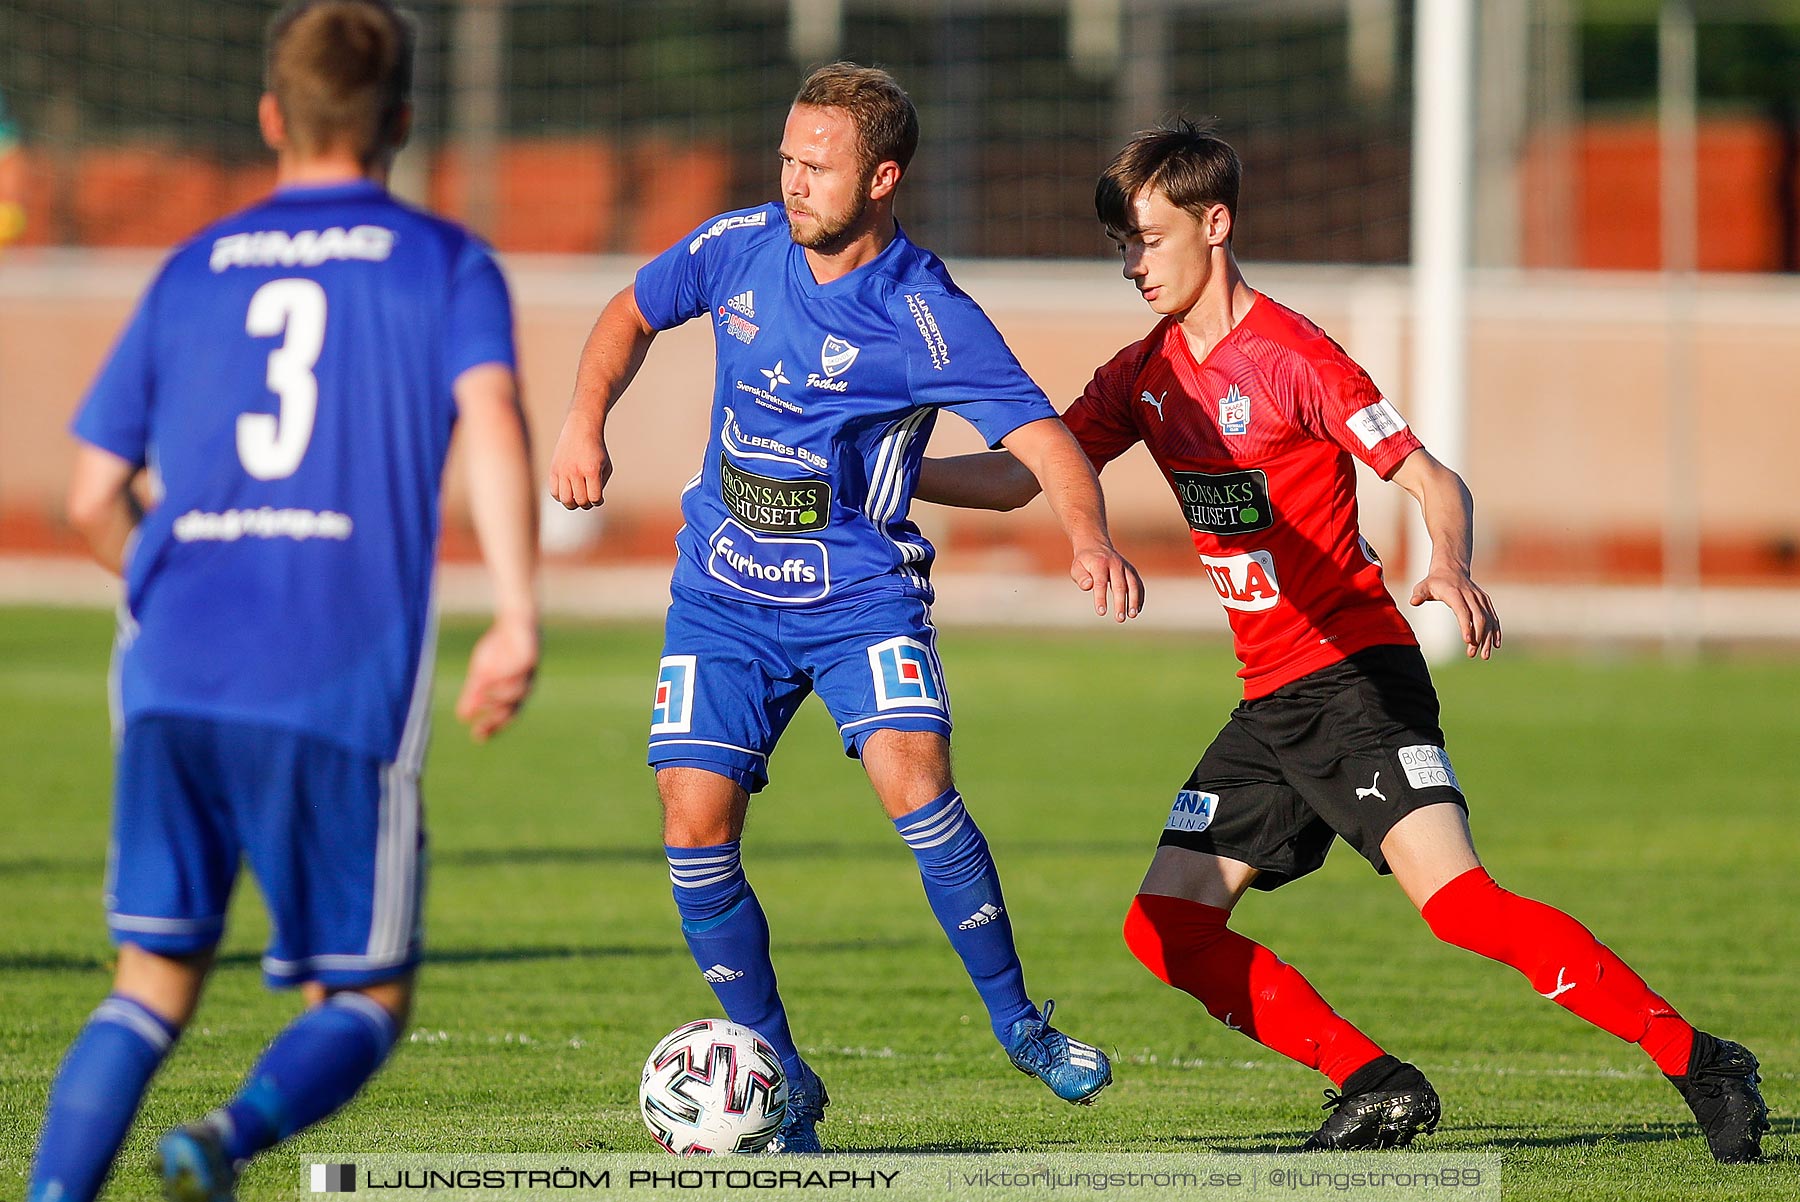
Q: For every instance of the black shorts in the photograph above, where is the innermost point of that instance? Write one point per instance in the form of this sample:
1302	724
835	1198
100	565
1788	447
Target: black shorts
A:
1346	751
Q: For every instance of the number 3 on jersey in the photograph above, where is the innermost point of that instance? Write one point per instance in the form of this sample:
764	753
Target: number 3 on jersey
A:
271	446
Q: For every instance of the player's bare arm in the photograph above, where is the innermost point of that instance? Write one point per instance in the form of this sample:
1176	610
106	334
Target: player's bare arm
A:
101	505
1055	460
989	480
1449	513
503	507
615	349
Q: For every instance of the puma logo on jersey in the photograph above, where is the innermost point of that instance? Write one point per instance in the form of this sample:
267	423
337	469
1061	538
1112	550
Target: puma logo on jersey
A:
1562	986
1374	790
1156	403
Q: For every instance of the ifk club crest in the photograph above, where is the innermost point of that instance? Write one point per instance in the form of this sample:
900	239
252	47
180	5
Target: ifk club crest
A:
836	356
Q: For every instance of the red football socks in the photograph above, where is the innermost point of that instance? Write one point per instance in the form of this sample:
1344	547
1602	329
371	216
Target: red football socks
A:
1243	984
1562	960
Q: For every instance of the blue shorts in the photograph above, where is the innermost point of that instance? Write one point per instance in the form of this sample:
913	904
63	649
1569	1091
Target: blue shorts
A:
733	674
333	838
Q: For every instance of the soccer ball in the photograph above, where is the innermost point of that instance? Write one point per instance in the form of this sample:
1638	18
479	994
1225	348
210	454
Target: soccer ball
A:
713	1086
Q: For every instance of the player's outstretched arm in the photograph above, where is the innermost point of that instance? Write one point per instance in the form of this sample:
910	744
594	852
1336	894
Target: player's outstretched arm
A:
503	505
101	505
1053	457
989	480
615	349
1450	521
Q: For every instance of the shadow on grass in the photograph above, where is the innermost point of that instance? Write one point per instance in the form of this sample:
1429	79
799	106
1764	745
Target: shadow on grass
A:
758	852
1776	1144
48	866
929	1148
511	954
755	852
1268	1142
1501	1138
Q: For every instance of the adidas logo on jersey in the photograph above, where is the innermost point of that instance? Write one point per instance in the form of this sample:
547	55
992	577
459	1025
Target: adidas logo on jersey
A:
718	974
744	302
988	913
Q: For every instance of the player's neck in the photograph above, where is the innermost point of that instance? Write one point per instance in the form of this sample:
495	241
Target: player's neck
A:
838	261
1222	305
319	171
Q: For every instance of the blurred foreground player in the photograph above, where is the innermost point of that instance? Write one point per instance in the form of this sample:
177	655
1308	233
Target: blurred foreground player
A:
838	340
1252	414
291	380
12	180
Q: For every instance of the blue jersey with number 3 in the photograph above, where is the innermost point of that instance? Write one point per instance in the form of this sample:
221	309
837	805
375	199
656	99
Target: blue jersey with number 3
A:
825	399
288	379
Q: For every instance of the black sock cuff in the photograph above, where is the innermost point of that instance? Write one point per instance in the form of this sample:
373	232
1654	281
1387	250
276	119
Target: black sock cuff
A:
1383	1072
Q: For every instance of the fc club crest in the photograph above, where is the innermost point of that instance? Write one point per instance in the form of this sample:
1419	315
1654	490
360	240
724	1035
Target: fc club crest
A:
1234	412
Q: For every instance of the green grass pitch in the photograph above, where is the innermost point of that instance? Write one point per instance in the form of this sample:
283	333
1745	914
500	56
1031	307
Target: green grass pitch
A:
1655	803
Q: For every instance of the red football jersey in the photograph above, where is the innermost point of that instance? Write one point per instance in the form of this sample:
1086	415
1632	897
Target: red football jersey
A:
1256	443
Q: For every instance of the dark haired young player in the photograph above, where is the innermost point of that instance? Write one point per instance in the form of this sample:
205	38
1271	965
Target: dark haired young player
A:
798	571
290	380
1253	413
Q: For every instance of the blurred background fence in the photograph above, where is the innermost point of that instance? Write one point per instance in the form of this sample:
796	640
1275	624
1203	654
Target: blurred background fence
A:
1613	396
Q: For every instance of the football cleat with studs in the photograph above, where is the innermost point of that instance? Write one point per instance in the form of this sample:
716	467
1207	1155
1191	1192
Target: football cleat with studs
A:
807	1101
1075	1071
1384	1105
193	1167
1721	1088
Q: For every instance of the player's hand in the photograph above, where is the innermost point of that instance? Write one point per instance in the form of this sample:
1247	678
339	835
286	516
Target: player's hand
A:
580	466
1116	585
1473	608
501	670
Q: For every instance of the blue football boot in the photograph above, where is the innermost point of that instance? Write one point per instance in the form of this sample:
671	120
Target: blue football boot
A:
807	1101
1074	1071
193	1166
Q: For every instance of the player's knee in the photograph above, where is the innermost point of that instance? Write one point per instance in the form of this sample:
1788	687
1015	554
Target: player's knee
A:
394	997
1148	939
700	808
1140	938
908	769
167	986
1172	936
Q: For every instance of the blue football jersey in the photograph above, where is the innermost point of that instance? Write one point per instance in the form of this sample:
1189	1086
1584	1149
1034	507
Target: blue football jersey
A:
825	399
288	379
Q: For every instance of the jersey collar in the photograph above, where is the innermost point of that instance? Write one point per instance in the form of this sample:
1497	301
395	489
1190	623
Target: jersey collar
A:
847	284
1178	335
356	189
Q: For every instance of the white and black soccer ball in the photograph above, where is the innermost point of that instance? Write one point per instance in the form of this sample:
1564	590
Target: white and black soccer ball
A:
712	1086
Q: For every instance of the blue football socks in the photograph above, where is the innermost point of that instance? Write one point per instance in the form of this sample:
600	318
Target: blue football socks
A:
314	1067
729	937
95	1097
963	887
